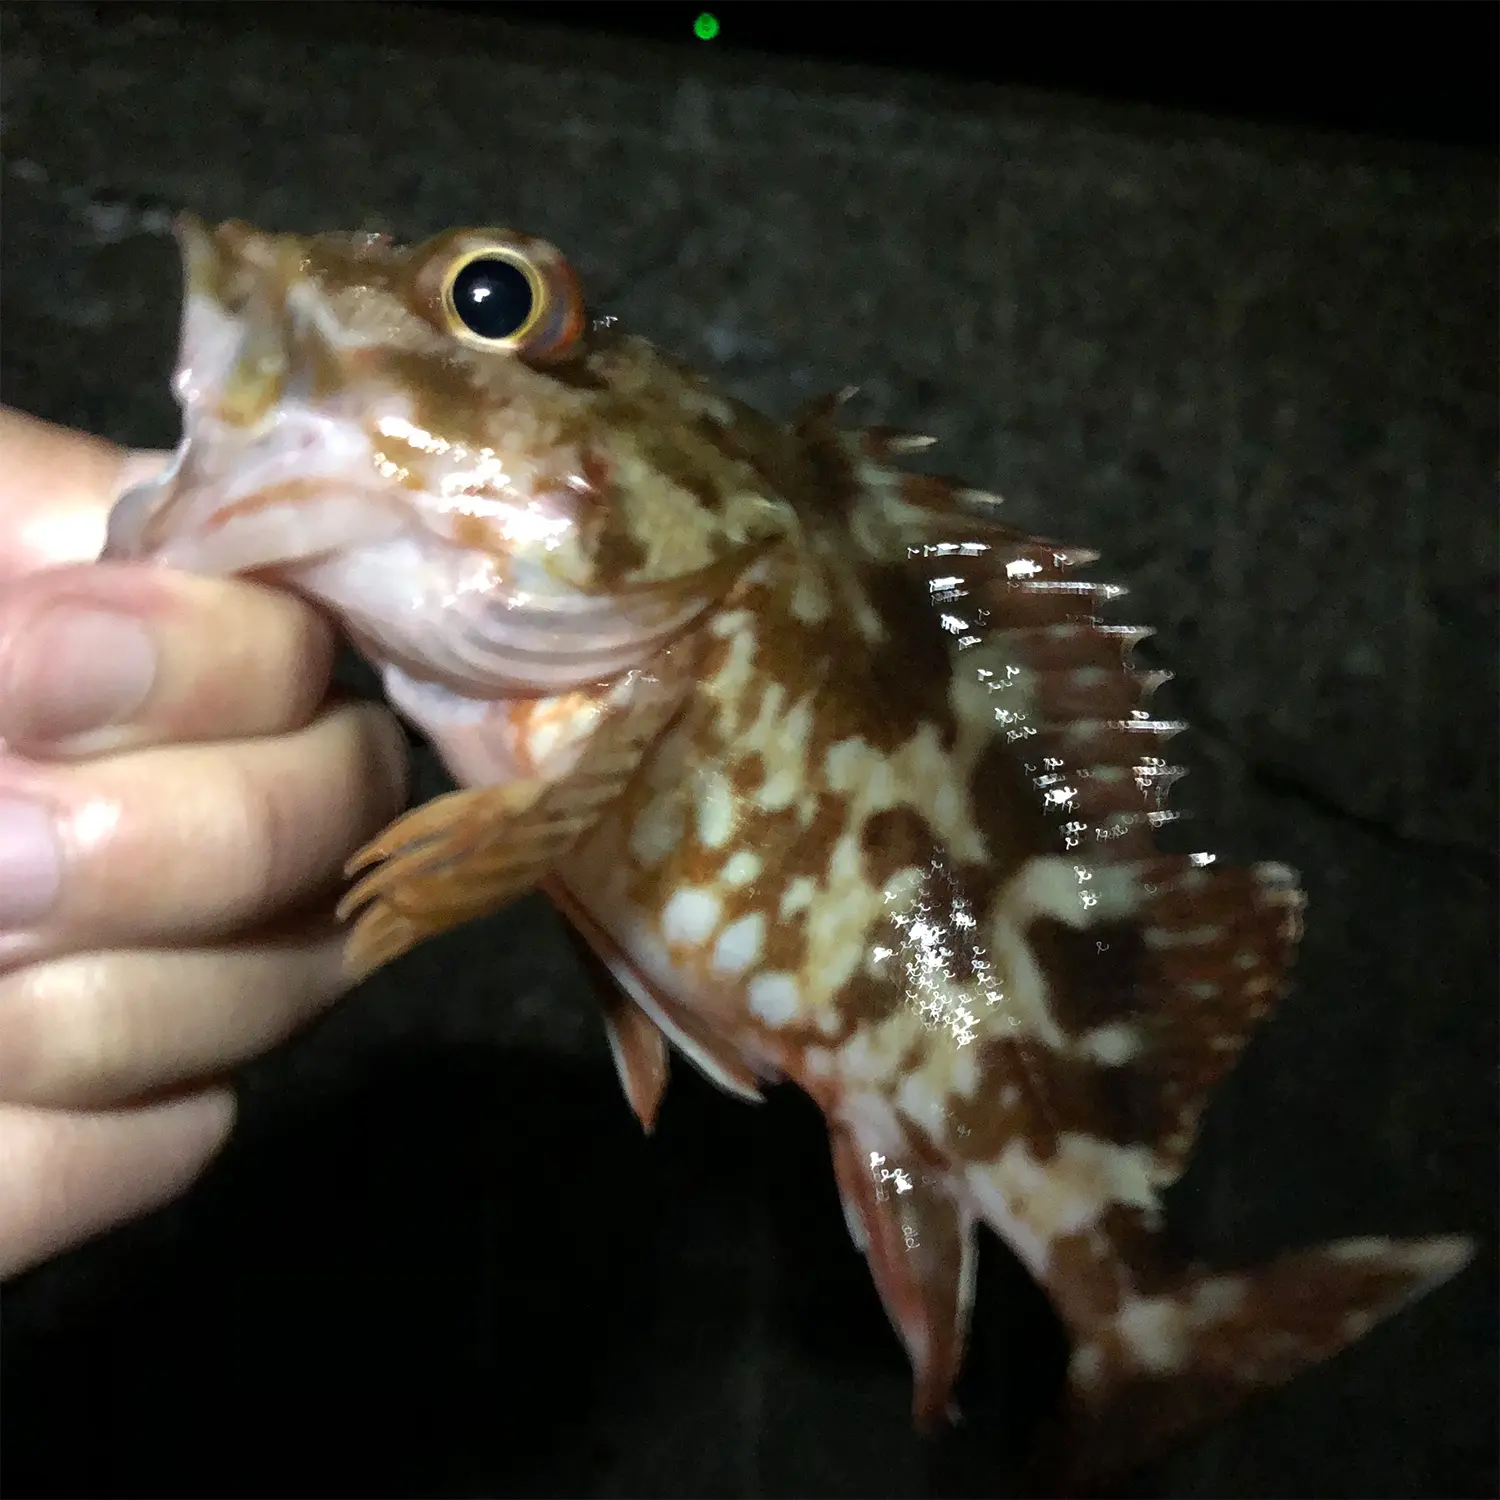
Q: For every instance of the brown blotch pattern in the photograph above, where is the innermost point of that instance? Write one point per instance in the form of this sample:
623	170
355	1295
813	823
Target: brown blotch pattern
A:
1090	1272
1094	974
893	840
864	1000
1001	1108
1008	812
619	552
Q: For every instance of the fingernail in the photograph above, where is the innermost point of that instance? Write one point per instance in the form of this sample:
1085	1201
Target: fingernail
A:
72	671
30	863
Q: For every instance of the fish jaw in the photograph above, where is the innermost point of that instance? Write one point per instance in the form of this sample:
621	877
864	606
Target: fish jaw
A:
442	614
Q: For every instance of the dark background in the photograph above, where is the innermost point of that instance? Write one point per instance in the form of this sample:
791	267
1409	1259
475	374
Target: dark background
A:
1422	71
1248	352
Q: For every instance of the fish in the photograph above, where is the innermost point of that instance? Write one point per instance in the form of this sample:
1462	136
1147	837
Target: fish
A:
838	778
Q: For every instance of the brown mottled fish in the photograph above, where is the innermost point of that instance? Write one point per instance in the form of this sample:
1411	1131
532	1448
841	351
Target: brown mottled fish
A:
840	778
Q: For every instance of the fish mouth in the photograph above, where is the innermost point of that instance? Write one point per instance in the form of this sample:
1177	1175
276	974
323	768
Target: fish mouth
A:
255	503
262	478
283	526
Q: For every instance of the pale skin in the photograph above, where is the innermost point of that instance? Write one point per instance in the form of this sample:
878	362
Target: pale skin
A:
199	791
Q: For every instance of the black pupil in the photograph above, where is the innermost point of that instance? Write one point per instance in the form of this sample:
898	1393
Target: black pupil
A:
492	297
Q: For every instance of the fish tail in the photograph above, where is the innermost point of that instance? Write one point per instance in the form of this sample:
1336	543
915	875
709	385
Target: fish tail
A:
1163	1365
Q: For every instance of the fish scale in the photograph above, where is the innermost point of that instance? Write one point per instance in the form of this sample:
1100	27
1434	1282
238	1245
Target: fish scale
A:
837	778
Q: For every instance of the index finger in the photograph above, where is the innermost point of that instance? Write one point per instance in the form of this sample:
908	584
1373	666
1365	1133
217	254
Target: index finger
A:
56	489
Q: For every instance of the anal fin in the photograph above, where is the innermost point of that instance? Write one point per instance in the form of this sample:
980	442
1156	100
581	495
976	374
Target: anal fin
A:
919	1242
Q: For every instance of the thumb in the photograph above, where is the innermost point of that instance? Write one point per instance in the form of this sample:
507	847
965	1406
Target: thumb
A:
56	489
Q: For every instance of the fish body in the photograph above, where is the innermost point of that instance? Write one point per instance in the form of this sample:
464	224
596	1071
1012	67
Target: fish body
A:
841	780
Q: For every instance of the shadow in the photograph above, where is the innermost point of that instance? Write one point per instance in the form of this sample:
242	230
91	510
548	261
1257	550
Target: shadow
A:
381	1292
463	1271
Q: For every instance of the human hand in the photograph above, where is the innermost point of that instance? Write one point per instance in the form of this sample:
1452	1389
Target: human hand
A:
177	799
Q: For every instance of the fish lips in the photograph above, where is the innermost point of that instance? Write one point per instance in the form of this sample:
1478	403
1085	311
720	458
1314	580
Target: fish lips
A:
225	506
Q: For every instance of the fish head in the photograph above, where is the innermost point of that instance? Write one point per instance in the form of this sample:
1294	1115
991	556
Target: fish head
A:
437	443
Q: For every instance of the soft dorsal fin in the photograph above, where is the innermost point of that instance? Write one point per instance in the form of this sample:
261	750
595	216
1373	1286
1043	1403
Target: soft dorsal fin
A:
1168	961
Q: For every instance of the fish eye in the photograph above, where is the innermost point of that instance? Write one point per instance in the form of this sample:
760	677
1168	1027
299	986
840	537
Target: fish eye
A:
505	293
494	296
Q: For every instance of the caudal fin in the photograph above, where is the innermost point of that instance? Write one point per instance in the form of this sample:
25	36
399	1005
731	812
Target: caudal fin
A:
1167	1364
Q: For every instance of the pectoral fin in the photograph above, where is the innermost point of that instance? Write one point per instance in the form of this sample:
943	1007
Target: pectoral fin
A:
468	853
460	857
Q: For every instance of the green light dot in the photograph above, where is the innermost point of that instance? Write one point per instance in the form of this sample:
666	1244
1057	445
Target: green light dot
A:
706	27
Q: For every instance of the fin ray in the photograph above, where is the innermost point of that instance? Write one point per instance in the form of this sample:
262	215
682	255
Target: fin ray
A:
713	1058
1197	956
